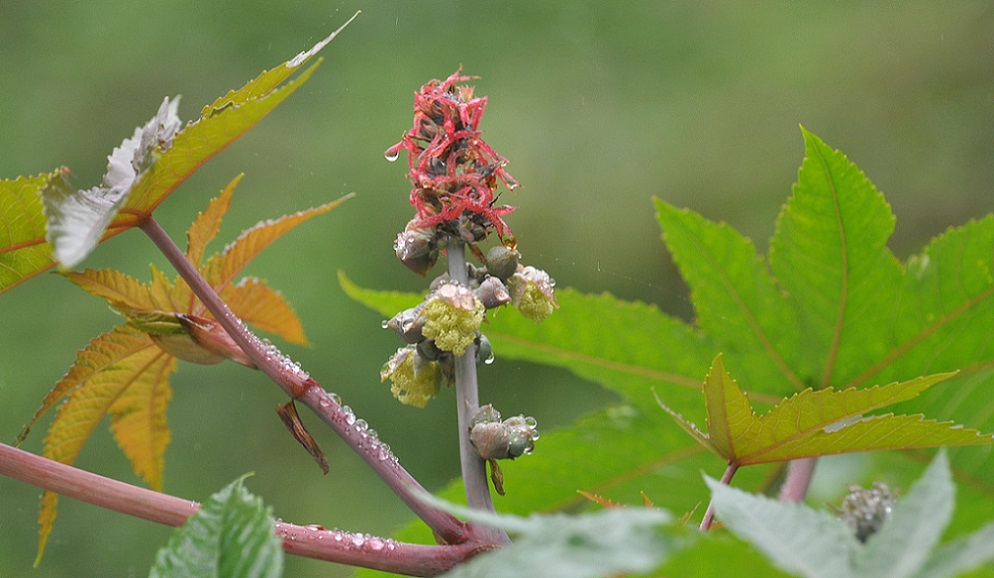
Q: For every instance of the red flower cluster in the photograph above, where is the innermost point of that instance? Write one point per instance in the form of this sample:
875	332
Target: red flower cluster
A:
453	170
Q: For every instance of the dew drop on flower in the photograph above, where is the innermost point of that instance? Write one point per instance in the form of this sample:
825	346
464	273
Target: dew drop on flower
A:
490	359
335	398
385	324
361	425
391	155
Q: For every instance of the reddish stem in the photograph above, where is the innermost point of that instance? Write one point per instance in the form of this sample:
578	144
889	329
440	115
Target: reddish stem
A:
799	474
726	479
297	384
308	541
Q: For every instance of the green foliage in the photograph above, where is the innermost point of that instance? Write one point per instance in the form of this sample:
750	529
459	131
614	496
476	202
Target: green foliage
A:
816	544
928	316
604	543
811	424
232	536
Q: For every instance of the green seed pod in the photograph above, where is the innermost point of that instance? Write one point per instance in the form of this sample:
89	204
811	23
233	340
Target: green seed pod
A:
502	262
499	440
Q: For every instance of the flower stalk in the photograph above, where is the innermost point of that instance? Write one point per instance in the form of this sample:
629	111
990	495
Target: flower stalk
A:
454	175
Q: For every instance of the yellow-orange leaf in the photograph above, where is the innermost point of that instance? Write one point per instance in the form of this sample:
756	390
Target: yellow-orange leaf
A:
163	293
138	415
207	224
118	289
220	270
102	376
265	308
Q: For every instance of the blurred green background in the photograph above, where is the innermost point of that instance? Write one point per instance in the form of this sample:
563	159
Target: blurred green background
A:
598	106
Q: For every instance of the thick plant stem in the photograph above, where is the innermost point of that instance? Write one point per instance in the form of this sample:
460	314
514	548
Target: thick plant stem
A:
474	468
726	479
298	385
799	474
308	541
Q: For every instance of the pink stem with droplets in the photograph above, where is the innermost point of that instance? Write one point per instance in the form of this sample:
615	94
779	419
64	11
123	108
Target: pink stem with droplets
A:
300	386
307	541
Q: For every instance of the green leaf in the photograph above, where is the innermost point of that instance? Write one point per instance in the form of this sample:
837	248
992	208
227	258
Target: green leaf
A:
604	543
830	255
717	554
231	536
24	252
739	307
818	423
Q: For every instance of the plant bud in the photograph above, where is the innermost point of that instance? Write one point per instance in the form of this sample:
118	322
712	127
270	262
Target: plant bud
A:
188	337
484	351
502	262
428	350
211	336
498	440
408	324
416	249
866	511
493	293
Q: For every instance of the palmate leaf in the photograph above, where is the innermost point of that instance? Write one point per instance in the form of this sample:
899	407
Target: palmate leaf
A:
220	270
141	173
125	373
122	374
815	423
